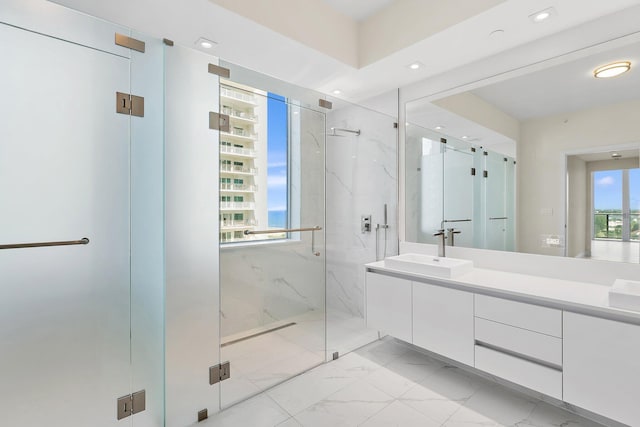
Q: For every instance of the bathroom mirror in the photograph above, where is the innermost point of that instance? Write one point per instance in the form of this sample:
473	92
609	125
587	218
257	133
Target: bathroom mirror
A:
542	162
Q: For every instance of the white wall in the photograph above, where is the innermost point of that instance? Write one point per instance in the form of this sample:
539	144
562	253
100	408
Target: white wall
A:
541	164
578	208
191	235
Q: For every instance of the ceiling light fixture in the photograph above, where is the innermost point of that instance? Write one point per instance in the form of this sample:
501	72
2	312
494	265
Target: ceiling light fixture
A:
465	137
337	92
616	155
612	70
205	43
415	65
439	127
542	15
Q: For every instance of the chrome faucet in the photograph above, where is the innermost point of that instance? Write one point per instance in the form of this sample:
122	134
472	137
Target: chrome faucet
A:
451	232
441	240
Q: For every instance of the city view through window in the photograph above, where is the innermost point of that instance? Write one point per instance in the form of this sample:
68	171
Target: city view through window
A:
254	164
616	203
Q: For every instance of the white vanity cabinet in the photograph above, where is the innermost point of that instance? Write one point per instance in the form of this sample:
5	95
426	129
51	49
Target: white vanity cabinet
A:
602	367
443	321
388	305
519	342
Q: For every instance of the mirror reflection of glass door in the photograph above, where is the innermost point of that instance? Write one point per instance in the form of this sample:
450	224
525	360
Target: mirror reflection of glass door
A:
458	189
272	257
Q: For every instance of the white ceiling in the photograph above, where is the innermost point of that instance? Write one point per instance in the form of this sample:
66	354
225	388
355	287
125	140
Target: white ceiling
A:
606	155
358	9
253	46
567	87
429	116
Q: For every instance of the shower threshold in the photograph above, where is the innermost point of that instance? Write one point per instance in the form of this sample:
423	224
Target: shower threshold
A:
257	334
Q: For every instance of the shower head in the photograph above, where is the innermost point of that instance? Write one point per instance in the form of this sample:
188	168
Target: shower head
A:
334	132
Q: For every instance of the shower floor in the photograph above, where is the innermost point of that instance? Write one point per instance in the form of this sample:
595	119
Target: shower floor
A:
263	357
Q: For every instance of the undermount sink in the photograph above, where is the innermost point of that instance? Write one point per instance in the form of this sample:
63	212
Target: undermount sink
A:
625	294
429	265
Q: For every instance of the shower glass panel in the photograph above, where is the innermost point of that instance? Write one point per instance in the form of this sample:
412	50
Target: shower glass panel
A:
64	176
496	201
361	180
272	244
459	179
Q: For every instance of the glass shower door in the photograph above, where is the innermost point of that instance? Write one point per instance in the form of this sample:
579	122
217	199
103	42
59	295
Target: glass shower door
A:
272	254
497	216
64	178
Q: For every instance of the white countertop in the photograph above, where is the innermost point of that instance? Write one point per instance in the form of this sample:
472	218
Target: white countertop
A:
586	298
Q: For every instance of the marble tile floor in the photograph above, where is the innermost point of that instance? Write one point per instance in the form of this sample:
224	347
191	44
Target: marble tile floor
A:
612	250
260	362
386	384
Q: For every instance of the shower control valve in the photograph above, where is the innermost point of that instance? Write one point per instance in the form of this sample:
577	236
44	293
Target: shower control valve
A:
365	224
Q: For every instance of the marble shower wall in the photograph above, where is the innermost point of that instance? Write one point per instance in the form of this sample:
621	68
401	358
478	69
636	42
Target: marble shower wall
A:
269	282
362	175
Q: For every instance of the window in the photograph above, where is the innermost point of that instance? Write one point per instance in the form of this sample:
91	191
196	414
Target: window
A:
256	162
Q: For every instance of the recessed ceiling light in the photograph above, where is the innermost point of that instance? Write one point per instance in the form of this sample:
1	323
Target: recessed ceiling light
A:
439	127
205	43
615	155
496	34
465	137
542	15
415	65
612	70
337	92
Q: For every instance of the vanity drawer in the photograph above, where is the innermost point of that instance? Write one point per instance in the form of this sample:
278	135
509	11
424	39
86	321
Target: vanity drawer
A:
530	344
523	372
527	316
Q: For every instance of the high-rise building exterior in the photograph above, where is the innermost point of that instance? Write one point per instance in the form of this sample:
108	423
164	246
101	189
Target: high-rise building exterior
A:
243	162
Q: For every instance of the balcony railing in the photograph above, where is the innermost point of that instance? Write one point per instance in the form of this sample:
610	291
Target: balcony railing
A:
238	169
238	95
237	150
238	187
609	225
239	114
237	205
238	224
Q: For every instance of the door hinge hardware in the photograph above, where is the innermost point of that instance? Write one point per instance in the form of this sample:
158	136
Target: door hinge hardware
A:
219	71
203	414
486	153
336	355
443	140
130	42
219	372
473	171
167	42
325	104
219	122
485	174
473	150
129	104
131	404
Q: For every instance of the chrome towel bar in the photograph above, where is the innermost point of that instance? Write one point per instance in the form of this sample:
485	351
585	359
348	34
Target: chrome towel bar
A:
282	230
83	241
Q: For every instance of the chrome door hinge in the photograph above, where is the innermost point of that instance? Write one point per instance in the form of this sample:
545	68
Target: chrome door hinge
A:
325	104
485	174
219	372
130	42
473	171
131	404
219	122
129	104
219	71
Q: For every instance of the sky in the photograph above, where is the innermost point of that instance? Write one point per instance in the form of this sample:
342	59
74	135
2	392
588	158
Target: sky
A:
608	189
276	153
